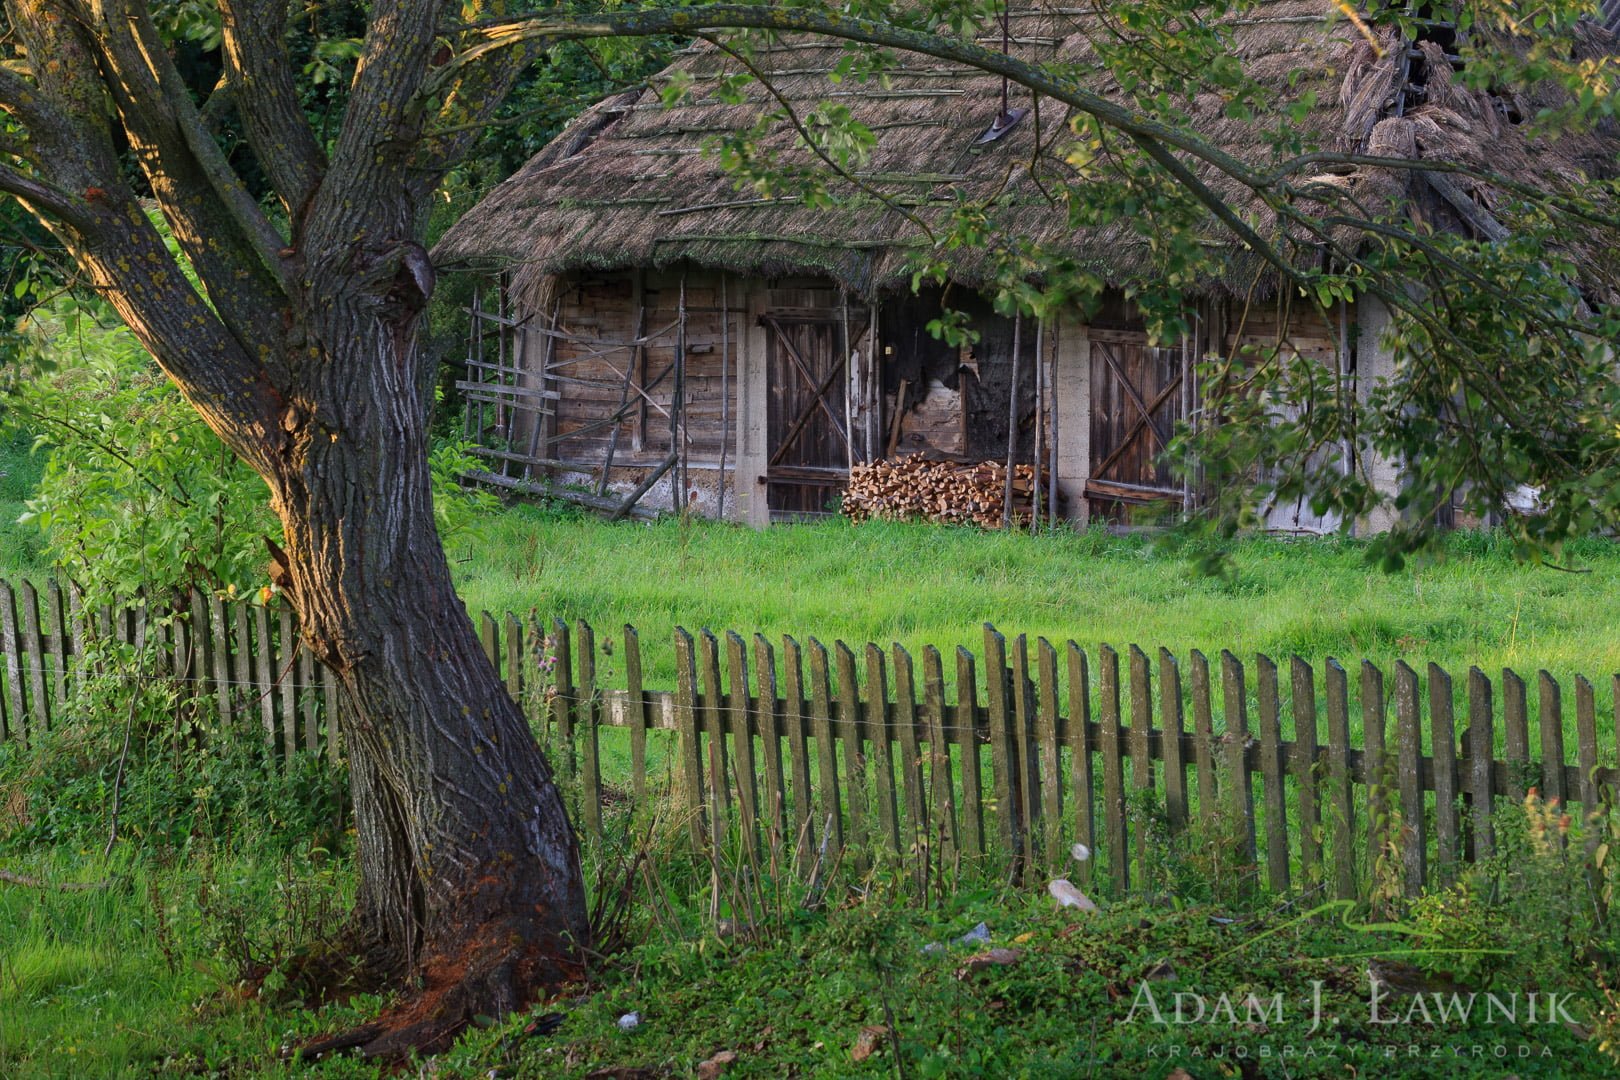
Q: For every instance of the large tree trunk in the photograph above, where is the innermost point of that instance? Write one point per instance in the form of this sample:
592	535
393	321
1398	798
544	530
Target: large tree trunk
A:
470	871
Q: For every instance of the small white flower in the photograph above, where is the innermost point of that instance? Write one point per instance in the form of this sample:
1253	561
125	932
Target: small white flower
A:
629	1021
1080	852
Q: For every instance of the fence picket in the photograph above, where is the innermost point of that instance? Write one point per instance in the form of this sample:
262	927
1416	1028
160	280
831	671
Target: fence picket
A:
967	730
264	685
880	758
562	705
1081	741
16	718
806	827
309	695
1443	747
512	637
636	700
220	653
1481	752
1141	740
768	724
1111	743
1203	740
1003	765
941	786
739	724
1271	771
714	737
1174	724
1552	739
1341	798
905	726
856	797
1586	743
821	728
242	663
690	751
59	646
1306	770
1025	752
1516	733
286	658
586	716
1239	783
1046	734
1409	740
489	637
34	656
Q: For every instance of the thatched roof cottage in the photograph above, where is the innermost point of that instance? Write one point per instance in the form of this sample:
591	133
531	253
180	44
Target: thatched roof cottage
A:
678	342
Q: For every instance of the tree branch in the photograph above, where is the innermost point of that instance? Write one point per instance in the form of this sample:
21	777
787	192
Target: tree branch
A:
260	72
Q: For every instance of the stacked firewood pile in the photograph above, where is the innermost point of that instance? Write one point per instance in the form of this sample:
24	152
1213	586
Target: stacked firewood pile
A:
945	491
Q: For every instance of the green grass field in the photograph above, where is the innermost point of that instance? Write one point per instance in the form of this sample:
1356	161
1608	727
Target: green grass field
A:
919	585
19	472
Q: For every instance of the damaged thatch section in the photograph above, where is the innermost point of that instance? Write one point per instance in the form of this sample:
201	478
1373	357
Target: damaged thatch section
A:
631	182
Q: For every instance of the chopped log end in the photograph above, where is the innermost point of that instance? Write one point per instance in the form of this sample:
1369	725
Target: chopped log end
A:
915	488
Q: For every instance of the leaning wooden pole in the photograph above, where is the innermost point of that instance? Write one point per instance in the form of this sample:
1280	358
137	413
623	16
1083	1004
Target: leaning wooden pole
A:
1040	423
677	410
725	395
1012	424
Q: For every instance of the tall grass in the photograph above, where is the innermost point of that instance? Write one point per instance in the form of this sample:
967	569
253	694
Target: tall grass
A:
919	585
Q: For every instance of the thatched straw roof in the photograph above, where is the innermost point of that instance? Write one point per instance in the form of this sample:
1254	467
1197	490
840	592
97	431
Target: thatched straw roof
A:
629	182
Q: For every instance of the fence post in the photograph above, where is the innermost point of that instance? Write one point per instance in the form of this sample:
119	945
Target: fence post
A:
587	717
11	645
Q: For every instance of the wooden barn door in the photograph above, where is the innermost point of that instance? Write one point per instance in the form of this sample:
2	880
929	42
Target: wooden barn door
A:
1138	393
807	444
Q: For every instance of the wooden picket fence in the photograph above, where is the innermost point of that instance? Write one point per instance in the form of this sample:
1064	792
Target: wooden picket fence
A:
246	658
1027	750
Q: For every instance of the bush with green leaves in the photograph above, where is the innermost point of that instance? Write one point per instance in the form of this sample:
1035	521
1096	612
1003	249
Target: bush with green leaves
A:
137	493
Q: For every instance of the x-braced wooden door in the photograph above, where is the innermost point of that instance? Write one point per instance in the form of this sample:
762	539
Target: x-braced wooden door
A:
807	436
1138	393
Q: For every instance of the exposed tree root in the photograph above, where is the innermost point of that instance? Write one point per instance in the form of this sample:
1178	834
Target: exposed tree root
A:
496	971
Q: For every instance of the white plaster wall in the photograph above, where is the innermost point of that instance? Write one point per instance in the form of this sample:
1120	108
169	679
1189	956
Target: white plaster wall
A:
1072	392
1375	363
